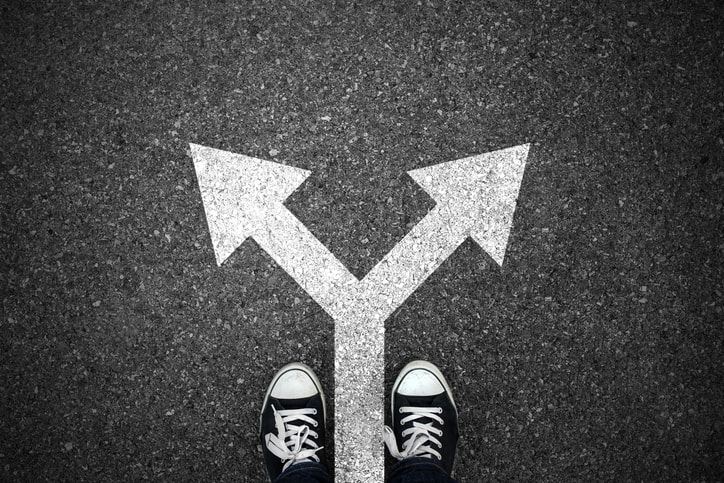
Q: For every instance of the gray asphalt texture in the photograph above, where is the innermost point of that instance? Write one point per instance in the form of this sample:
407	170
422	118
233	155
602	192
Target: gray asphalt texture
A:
595	353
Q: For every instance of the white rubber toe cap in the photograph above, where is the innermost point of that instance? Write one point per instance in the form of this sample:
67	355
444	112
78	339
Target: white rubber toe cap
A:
294	384
420	382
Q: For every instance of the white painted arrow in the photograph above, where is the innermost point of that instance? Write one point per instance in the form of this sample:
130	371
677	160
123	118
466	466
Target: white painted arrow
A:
243	197
474	197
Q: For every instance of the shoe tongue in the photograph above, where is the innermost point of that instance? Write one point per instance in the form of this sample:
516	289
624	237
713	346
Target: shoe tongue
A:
419	401
300	403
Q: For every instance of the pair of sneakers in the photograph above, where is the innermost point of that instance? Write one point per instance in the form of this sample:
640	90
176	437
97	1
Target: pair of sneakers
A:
424	418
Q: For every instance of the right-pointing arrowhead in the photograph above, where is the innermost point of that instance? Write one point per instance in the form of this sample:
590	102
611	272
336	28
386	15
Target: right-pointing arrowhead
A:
238	192
480	193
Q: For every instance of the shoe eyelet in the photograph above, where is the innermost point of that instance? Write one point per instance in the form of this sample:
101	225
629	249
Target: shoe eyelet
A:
399	410
315	411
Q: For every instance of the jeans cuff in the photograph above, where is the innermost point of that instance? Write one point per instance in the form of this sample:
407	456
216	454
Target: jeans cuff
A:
418	462
308	469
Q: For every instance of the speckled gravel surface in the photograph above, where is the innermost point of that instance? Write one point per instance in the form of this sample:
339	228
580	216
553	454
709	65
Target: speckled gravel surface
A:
595	353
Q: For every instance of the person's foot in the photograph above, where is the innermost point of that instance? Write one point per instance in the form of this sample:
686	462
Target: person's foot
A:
424	416
292	419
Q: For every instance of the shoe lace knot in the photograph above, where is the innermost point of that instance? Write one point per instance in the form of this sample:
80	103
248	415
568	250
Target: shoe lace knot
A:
295	441
420	436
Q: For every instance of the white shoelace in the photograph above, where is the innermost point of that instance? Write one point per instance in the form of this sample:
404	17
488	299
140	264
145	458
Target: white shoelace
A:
418	438
294	443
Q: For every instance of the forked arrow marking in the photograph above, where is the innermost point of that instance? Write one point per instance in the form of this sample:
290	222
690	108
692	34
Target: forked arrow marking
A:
244	197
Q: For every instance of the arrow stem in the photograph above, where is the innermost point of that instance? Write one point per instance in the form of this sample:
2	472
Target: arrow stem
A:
358	397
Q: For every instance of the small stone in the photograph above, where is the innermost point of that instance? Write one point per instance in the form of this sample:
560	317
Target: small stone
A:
273	152
97	303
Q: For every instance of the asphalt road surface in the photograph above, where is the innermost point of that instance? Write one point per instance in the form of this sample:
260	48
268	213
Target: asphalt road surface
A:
595	353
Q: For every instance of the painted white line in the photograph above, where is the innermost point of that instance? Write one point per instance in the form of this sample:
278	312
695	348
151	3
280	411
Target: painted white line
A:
243	197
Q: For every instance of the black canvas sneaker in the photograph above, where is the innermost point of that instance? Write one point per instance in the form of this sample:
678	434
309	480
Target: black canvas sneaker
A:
424	416
292	419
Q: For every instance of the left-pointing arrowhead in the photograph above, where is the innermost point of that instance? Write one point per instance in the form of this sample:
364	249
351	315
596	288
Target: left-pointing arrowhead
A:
480	193
238	193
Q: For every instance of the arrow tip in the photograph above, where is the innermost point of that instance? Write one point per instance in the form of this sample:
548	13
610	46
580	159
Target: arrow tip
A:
237	191
480	192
